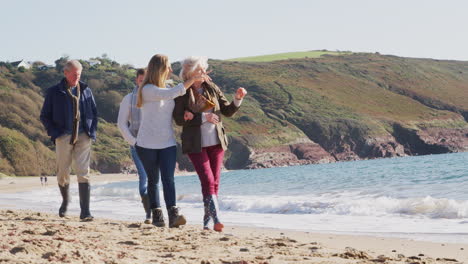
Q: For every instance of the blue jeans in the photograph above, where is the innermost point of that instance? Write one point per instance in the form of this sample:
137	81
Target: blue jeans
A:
154	161
141	172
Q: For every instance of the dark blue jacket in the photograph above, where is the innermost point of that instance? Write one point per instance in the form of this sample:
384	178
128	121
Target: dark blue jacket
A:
56	116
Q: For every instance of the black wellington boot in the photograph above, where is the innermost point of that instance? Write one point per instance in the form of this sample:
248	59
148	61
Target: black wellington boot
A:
85	193
146	205
175	219
64	190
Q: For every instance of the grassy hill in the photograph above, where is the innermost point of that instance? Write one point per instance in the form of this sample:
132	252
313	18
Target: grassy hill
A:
289	55
298	111
357	105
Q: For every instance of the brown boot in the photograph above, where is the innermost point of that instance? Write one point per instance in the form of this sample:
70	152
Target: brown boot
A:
175	219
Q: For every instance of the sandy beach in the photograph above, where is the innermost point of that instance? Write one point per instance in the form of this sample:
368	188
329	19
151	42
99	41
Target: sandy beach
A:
37	237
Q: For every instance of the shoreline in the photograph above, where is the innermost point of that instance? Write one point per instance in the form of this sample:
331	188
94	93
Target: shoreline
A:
236	243
27	183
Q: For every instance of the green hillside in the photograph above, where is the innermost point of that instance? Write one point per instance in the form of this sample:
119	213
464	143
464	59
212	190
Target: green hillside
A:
289	55
343	102
297	111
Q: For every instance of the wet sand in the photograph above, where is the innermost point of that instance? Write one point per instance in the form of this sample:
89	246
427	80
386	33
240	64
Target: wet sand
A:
26	183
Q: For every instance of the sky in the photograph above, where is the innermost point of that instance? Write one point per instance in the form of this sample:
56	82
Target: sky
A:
133	31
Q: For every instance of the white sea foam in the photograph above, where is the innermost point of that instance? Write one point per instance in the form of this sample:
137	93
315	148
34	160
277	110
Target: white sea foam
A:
125	193
345	203
342	205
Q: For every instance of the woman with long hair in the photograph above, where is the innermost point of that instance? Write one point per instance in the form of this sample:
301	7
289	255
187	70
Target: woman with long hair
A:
203	136
155	143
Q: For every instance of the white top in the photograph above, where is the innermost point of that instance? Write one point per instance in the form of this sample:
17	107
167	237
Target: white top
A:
156	130
124	118
209	135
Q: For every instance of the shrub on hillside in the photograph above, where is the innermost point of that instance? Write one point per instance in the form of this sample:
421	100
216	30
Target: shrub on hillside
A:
25	156
108	104
110	151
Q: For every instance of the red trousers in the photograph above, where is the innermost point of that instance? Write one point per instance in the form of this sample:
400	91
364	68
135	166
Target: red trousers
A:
208	164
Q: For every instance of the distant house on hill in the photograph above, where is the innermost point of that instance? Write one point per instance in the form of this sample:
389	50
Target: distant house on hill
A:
21	63
45	67
93	62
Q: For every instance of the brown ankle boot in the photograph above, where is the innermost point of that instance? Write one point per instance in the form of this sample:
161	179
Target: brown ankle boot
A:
175	219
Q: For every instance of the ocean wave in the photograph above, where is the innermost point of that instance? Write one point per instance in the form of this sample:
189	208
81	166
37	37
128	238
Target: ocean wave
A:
342	205
336	203
115	192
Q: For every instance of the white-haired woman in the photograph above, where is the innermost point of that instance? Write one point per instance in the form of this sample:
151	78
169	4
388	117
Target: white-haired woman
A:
203	136
155	142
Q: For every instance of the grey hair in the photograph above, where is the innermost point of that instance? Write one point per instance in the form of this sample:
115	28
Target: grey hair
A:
72	64
189	64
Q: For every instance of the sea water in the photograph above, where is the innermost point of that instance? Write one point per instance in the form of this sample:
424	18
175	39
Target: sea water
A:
424	198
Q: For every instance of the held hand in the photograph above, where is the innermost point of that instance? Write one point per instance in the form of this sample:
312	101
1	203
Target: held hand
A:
202	77
207	77
198	78
240	93
212	118
188	116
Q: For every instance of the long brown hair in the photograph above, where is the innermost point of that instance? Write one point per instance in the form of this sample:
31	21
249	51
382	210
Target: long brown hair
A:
156	74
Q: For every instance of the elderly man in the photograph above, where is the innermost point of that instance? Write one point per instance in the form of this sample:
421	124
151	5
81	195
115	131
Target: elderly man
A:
70	118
